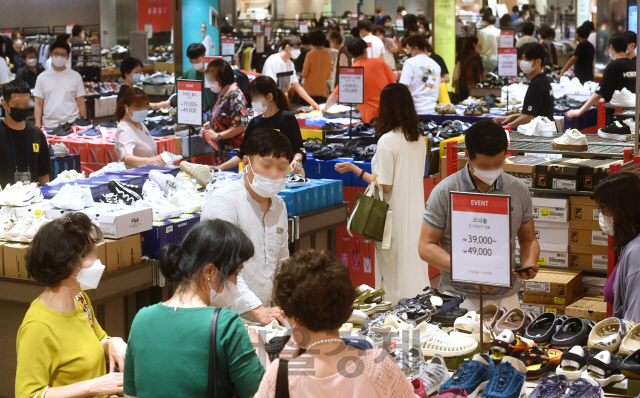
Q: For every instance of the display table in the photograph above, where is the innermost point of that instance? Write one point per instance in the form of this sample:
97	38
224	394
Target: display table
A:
317	230
480	92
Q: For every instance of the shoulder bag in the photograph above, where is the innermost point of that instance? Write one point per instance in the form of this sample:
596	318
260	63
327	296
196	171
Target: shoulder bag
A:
372	218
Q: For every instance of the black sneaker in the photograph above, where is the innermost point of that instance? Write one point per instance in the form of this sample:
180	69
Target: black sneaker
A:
82	122
62	130
110	198
128	193
616	131
111	124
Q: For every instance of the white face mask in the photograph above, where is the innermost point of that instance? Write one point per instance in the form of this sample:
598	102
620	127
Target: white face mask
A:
258	107
224	299
32	62
606	224
487	176
89	278
295	54
265	187
198	66
526	66
58	61
215	87
139	116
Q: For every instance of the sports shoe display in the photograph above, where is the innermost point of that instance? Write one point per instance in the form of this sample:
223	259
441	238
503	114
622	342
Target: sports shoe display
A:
473	375
60	150
616	131
67	176
83	124
468	325
21	226
165	181
573	362
543	327
202	173
6	223
550	385
72	197
113	166
508	381
21	194
571	140
110	198
160	212
584	387
604	367
631	342
34	227
188	201
184	181
432	373
434	341
623	98
539	126
127	193
296	180
608	334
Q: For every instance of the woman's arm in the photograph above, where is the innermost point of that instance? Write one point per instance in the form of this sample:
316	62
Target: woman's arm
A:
456	71
229	164
109	384
366	177
229	133
135	161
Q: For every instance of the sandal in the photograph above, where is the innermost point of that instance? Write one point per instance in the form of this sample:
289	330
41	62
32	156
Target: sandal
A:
515	320
540	361
604	367
572	332
477	111
468	111
573	362
508	344
543	328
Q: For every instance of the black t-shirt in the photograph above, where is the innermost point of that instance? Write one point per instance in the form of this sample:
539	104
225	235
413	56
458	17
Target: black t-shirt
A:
123	89
617	75
258	59
583	68
539	98
38	153
409	19
283	121
440	62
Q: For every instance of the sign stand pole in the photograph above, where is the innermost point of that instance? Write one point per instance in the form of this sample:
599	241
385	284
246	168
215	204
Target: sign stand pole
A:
481	321
350	121
190	133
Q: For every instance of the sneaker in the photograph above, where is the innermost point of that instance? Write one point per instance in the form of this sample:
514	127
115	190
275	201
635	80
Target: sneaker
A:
508	344
573	362
296	180
452	393
160	213
22	195
184	181
432	373
571	140
34	227
21	226
83	124
62	130
584	387
617	131
631	123
72	197
473	375
469	326
434	341
419	389
110	198
67	176
60	150
188	201
631	342
608	334
539	126
170	158
550	385
604	367
111	167
624	98
128	193
508	381
202	173
165	181
6	223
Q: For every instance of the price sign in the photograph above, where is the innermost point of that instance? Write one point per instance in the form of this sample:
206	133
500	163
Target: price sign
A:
206	62
506	39
267	31
190	102
399	23
256	27
7	32
354	20
507	62
70	28
536	21
227	46
260	43
480	243
351	85
148	27
304	28
420	11
370	50
95	47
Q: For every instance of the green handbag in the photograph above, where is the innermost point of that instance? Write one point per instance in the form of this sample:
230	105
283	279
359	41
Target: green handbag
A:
369	214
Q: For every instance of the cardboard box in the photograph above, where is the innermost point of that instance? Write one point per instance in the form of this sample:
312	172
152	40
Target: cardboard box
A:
592	171
586	237
584	225
322	193
14	264
589	307
588	249
553	286
597	290
117	221
462	161
129	250
584	213
558	174
588	257
523	168
550	232
108	254
551	254
551	210
538	309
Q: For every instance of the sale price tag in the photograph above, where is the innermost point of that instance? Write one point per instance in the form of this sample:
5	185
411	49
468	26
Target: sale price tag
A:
506	39
267	31
260	43
399	23
190	102
304	28
70	28
227	46
480	243
351	85
354	20
257	28
507	62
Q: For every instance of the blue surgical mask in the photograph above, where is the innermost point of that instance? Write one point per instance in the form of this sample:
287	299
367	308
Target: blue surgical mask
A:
136	77
139	116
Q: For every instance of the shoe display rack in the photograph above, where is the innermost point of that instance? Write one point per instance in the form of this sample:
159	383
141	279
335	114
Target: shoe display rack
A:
603	151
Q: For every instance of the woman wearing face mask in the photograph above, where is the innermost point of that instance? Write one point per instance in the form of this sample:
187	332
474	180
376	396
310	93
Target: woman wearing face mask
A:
274	106
389	45
134	145
617	197
30	71
229	115
204	270
18	61
316	296
131	70
61	347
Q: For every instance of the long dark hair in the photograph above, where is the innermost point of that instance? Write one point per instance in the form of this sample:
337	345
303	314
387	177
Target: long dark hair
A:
133	95
619	196
396	111
264	85
468	44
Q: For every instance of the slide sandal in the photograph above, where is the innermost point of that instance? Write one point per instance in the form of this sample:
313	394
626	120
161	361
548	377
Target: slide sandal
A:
540	361
573	362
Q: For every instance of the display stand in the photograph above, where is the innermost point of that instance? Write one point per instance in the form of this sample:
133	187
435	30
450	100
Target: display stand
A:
351	89
190	105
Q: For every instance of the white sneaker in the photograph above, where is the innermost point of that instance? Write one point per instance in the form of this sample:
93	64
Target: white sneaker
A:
7	191
22	195
21	226
433	373
170	158
433	341
60	150
73	197
159	212
67	176
184	181
36	224
631	123
187	200
113	166
6	223
166	182
529	128
571	140
153	194
202	173
624	98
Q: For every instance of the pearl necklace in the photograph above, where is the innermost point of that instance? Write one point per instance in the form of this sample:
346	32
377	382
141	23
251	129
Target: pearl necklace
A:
324	342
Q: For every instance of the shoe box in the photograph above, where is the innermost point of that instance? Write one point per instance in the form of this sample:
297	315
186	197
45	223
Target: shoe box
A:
524	168
297	200
593	284
321	190
128	178
538	309
589	307
110	152
553	286
309	167
105	106
14	264
115	254
551	254
117	221
552	232
588	257
588	244
584	208
326	169
78	147
181	227
333	192
550	209
58	165
593	171
160	235
558	174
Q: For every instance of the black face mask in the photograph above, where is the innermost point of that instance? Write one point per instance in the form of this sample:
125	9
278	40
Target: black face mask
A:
19	114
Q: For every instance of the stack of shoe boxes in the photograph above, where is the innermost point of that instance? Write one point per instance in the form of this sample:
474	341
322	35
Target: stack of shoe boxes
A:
169	231
552	290
524	168
588	244
550	217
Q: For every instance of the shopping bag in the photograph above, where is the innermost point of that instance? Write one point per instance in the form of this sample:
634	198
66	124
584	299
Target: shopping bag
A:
369	214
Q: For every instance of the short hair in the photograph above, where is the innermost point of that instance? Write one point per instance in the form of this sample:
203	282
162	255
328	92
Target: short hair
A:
77	29
315	288
59	246
490	19
485	138
226	29
317	38
133	96
632	38
129	65
63	37
290	40
355	33
400	9
267	142
412	27
64	46
379	9
619	42
415	41
366	25
583	32
522	12
534	51
17	86
515	9
589	25
29	50
335	36
196	50
505	21
547	32
304	40
386	18
525	7
223	71
379	30
15	33
528	28
357	47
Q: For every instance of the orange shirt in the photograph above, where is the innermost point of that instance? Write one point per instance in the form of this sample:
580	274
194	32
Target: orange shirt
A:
377	75
316	71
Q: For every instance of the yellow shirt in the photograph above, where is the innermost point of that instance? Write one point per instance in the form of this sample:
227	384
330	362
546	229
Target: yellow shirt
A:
57	349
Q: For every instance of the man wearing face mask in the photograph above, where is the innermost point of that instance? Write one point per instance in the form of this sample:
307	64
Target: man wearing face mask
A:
59	91
31	70
24	152
252	204
486	144
538	101
196	53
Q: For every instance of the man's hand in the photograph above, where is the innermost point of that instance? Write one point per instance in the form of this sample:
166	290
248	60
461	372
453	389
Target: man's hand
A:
573	113
266	315
531	274
296	167
502	119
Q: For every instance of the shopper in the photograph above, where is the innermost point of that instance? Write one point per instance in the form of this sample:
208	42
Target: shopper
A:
486	151
77	35
317	68
131	71
258	59
18	47
377	75
62	38
204	270
253	205
133	143
59	91
407	19
379	16
210	48
398	166
527	35
505	21
582	58
23	147
444	71
592	32
547	35
488	39
632	38
280	68
344	57
538	101
472	69
31	70
421	75
196	53
390	47
5	72
62	349
316	296
305	44
617	197
515	13
619	74
375	44
520	20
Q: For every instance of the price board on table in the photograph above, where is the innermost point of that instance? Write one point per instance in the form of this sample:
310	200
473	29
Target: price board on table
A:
304	27
227	46
257	28
351	85
480	239
190	102
507	62
506	38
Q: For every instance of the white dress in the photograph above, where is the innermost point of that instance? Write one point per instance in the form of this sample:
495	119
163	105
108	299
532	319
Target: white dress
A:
401	163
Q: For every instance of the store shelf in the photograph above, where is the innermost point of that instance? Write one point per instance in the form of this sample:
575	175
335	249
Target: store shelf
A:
609	106
596	151
561	192
589	271
592	139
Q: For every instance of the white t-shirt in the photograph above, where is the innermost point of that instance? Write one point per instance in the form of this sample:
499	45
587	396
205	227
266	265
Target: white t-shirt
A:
130	140
59	91
422	75
283	73
592	39
5	72
207	43
377	46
